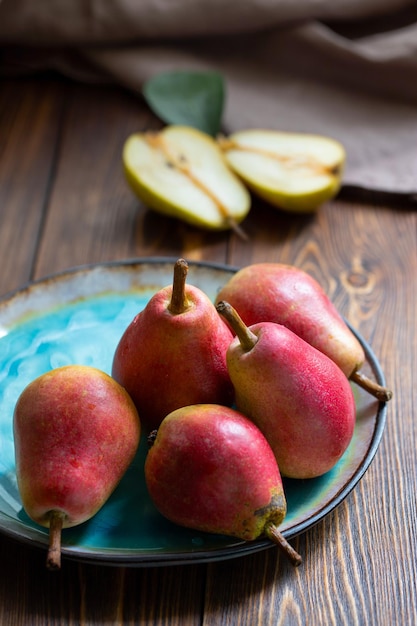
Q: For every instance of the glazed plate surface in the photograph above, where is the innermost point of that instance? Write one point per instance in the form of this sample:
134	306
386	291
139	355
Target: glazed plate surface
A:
78	316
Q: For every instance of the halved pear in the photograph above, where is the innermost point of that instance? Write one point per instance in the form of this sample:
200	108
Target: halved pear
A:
181	171
293	171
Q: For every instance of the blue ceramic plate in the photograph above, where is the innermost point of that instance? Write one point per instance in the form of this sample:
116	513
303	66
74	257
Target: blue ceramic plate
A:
78	317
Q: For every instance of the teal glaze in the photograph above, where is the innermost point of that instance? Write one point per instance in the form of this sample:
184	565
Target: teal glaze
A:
86	331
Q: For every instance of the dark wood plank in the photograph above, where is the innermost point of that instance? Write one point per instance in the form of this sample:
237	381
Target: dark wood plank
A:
30	115
93	594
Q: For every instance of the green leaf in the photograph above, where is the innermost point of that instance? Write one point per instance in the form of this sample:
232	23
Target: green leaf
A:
190	98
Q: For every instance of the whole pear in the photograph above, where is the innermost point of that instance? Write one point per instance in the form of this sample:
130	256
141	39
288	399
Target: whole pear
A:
76	430
210	468
173	353
298	397
276	292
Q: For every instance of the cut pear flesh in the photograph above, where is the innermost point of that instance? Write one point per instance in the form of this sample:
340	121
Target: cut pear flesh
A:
180	171
294	171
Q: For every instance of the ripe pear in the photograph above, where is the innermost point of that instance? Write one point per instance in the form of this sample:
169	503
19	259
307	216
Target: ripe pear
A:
276	292
173	353
76	430
293	171
210	468
181	172
298	397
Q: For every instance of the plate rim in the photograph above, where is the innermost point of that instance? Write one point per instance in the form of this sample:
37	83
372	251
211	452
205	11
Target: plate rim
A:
136	558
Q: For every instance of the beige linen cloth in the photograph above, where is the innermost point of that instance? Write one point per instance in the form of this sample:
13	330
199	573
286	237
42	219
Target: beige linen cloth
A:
288	64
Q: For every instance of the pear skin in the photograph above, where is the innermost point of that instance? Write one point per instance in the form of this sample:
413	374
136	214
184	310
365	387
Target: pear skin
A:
76	431
285	294
174	352
210	468
298	397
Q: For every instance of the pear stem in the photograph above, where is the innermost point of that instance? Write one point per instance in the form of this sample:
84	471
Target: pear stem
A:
53	559
381	393
246	337
277	537
179	302
238	230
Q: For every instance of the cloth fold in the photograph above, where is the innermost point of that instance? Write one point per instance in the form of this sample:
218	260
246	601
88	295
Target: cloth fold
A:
287	66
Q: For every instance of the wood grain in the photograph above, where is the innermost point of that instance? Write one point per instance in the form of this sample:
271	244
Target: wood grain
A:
64	202
30	115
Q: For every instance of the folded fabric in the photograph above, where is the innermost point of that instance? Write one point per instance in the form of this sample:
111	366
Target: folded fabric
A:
287	65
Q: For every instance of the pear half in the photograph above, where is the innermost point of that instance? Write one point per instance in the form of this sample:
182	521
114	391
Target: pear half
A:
293	171
181	172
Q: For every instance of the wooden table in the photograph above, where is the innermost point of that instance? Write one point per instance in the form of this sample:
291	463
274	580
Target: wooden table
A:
64	202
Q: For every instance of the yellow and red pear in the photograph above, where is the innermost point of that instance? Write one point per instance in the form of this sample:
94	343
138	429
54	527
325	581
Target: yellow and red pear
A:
298	397
210	468
173	353
76	430
287	295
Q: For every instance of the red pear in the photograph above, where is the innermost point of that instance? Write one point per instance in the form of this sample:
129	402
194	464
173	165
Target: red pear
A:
298	397
275	292
76	431
210	468
174	352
